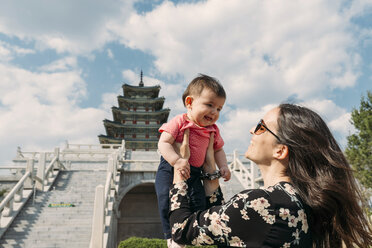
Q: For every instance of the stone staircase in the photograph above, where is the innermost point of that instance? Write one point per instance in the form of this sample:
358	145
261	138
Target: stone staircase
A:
50	220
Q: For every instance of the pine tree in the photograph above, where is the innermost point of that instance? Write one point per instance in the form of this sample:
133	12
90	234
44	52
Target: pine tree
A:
359	145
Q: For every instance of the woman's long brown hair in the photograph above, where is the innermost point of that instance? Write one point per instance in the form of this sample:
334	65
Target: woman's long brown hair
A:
324	179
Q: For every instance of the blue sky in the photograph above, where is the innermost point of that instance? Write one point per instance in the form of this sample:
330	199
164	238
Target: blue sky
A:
62	63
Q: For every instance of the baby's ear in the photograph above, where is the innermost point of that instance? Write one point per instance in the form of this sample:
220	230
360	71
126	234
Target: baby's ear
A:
188	101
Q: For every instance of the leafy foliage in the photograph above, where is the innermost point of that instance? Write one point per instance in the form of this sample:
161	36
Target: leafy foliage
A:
135	242
143	243
359	147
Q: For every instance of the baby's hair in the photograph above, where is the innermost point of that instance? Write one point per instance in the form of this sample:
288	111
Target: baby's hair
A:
199	83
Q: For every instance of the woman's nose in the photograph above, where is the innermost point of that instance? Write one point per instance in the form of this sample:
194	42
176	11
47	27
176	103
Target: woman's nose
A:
251	130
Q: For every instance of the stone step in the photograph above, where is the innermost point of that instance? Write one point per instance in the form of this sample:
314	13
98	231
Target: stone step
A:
41	226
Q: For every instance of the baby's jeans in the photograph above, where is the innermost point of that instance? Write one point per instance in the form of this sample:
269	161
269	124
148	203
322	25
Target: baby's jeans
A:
163	181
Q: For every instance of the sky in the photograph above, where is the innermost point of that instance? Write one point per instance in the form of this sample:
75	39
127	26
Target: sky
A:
62	63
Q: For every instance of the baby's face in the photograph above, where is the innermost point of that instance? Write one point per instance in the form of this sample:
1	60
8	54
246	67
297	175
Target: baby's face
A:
204	110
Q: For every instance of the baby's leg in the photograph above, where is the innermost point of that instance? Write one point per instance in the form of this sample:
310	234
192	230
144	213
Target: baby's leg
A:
163	181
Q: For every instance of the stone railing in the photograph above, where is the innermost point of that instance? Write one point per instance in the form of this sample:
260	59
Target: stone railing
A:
11	205
248	175
90	151
104	202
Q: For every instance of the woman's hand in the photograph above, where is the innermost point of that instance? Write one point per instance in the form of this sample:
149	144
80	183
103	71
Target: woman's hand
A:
182	166
209	165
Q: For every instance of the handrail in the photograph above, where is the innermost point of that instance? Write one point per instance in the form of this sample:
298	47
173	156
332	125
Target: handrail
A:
246	176
16	188
107	186
101	203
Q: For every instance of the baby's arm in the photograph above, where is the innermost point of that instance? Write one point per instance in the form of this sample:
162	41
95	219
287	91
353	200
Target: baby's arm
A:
166	148
221	162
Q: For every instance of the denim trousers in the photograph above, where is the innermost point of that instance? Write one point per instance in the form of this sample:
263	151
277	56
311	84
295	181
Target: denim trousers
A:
163	181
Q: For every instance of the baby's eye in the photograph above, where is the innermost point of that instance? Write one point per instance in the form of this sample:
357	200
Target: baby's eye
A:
209	105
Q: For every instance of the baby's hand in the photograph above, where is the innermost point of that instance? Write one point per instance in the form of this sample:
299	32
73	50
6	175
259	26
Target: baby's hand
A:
225	173
182	165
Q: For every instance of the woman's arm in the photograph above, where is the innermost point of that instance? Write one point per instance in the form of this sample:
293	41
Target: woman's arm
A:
234	223
167	149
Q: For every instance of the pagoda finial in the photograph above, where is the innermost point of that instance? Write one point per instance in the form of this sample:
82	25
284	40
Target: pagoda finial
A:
141	82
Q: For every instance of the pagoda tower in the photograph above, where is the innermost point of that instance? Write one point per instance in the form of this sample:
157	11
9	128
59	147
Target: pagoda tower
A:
137	119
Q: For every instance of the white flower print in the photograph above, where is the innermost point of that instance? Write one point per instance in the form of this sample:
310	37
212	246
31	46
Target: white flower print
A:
217	226
270	189
175	205
180	185
213	198
244	214
195	224
206	215
177	226
301	215
202	239
225	217
245	217
286	245
236	241
259	204
242	196
182	192
270	219
284	213
305	226
292	221
289	188
235	205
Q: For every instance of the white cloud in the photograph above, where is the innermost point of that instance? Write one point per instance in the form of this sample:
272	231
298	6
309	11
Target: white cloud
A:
39	110
71	26
337	118
263	52
110	54
9	51
63	64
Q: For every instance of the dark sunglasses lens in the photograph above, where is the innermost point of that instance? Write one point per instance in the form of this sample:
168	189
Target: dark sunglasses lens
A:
260	128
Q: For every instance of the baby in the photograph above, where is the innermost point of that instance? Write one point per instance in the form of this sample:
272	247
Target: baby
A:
203	99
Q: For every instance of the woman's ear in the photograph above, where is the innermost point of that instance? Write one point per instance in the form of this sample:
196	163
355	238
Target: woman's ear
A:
188	101
281	152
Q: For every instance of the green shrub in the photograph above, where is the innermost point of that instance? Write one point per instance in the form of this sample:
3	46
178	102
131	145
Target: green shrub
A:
135	242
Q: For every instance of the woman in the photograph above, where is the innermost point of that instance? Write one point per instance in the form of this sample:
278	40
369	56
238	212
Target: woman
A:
310	197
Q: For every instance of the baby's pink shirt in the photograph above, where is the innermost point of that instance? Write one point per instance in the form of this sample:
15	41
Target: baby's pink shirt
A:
198	139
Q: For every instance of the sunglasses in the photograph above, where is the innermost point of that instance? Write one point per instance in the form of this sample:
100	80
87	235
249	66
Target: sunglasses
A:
261	128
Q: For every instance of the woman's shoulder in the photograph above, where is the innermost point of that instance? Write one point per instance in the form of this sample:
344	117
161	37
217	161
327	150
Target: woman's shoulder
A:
280	195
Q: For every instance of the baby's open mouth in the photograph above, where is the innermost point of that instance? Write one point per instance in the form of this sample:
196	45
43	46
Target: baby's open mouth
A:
208	118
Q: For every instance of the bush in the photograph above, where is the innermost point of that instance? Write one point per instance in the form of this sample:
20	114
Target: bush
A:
143	243
135	242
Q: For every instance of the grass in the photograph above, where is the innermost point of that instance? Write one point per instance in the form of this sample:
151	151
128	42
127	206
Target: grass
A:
135	242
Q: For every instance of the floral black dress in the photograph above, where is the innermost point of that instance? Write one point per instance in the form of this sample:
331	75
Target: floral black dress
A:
272	217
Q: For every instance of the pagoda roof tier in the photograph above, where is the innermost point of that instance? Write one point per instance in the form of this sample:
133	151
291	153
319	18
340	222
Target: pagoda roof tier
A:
141	91
113	128
150	144
125	102
130	125
120	114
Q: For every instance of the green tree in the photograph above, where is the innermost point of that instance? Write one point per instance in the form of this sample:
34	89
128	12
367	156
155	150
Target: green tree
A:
359	145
